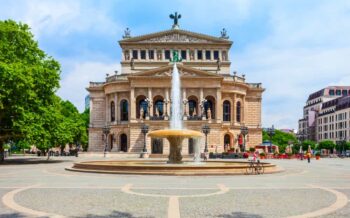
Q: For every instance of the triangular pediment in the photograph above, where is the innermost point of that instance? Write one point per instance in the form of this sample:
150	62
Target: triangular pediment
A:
166	71
175	36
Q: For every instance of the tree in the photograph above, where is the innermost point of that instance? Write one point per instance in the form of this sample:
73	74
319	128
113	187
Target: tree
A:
28	81
281	139
326	144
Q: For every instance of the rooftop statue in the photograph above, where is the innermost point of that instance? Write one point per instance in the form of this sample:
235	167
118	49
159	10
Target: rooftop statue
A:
176	18
224	34
126	33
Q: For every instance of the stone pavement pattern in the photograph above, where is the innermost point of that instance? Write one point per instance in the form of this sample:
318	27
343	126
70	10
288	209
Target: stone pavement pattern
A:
319	189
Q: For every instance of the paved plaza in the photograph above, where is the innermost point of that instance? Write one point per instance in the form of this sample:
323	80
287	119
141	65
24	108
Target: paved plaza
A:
41	189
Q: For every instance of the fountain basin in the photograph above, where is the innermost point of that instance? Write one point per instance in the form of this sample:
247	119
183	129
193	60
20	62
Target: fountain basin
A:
159	167
175	138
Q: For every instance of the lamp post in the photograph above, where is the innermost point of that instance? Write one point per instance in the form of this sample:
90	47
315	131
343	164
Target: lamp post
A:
271	132
105	131
206	131
244	132
144	130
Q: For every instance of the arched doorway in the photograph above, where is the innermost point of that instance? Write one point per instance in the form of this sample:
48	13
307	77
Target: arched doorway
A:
190	146
157	146
124	110
158	106
192	106
227	142
124	142
141	103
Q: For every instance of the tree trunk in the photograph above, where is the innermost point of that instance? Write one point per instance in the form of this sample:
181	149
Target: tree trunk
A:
2	152
48	154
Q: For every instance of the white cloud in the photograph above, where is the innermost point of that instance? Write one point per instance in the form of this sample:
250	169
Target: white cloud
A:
59	18
78	76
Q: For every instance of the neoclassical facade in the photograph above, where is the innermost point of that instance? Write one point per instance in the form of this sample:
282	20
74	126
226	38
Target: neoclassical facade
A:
140	94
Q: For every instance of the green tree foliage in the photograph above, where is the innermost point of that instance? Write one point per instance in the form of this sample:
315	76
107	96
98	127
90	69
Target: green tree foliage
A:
28	81
326	144
282	139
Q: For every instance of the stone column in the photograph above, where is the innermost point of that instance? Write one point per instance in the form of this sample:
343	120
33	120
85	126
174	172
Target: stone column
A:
107	109
115	108
195	55
233	110
219	106
200	102
147	57
211	54
220	54
163	54
183	101
150	106
243	111
132	105
168	102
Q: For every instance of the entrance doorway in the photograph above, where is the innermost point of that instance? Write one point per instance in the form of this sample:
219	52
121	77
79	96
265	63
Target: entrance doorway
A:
110	142
190	146
227	142
124	142
157	146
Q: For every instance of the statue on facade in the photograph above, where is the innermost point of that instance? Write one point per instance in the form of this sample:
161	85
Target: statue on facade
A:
218	64
176	57
132	63
157	112
224	34
191	55
142	113
185	108
126	33
176	18
127	55
209	113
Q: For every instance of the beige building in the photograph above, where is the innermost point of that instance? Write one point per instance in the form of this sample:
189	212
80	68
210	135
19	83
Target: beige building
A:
140	94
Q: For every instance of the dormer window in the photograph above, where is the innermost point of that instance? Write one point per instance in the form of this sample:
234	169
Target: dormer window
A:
135	54
216	55
184	54
151	54
207	55
199	55
143	54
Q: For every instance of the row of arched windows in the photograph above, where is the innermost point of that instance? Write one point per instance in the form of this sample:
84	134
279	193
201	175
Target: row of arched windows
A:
159	108
124	110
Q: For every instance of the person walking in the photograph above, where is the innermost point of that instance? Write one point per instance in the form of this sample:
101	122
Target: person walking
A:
308	157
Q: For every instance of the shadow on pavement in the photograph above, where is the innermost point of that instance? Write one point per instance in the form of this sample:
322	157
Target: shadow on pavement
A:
11	215
29	160
240	215
116	214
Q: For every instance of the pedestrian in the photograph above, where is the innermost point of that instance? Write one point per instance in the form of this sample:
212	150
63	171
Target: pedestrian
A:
308	157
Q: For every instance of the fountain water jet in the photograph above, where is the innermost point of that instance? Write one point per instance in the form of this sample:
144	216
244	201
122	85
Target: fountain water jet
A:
176	134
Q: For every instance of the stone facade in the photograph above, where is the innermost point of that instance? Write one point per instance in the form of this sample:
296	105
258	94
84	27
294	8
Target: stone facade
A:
140	94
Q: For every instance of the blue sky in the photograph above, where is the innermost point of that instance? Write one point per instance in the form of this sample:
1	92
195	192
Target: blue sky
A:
292	47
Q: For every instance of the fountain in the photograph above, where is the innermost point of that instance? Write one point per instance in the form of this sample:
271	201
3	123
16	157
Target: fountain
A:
176	134
175	165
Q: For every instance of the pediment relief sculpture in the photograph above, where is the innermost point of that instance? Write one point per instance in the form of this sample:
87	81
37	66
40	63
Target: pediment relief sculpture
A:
175	37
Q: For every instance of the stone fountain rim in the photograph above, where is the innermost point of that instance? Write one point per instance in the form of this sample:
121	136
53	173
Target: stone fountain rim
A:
164	133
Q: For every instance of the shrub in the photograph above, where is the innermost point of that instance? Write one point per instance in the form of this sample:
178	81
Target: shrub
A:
251	149
262	154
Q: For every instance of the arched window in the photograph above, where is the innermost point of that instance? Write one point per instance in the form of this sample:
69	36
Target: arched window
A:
124	110
159	107
112	111
238	112
124	142
210	103
226	111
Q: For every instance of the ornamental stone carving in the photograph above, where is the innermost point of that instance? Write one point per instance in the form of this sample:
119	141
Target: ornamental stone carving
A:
175	37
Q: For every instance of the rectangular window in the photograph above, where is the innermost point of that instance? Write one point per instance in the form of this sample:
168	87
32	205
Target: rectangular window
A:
135	54
338	92
207	55
151	54
344	92
216	55
199	55
331	92
167	54
143	54
184	54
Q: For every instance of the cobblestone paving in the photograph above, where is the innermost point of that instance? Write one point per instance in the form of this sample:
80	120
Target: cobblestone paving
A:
48	189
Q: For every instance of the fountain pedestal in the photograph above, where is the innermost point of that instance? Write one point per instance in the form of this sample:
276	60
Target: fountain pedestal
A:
175	156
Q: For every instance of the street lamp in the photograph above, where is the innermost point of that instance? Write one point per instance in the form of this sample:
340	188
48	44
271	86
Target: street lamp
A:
244	132
144	130
105	131
206	131
271	132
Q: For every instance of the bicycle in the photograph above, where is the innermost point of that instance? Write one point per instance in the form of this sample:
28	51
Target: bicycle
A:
255	167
